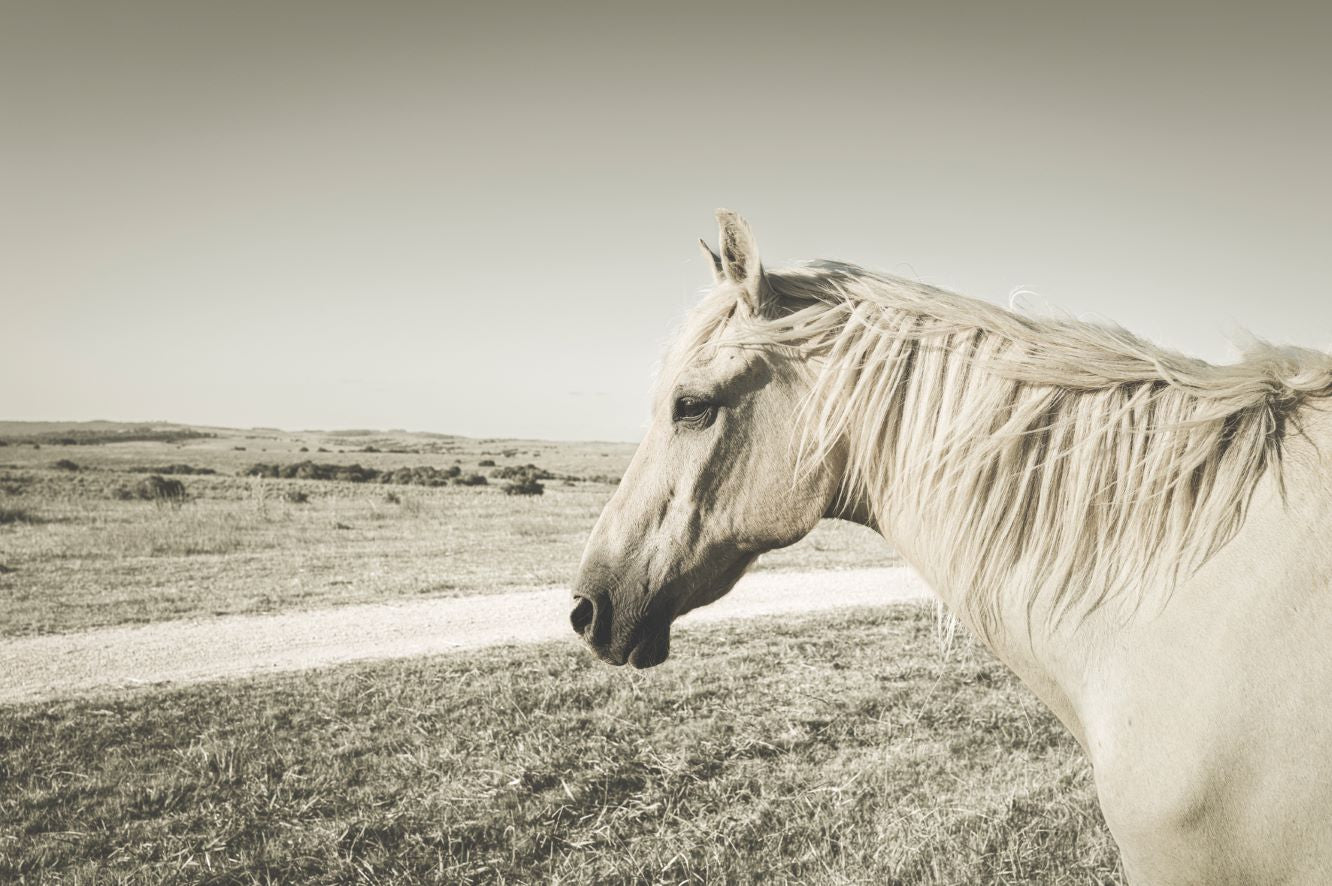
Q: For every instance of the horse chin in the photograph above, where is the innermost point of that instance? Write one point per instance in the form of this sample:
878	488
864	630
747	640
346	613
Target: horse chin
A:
652	650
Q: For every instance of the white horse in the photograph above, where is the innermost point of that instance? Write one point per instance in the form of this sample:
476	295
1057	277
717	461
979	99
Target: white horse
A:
1144	538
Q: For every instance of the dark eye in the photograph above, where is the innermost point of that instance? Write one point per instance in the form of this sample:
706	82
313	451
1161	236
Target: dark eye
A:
693	411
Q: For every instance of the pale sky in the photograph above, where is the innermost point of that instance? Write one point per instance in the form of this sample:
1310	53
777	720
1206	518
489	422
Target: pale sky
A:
482	219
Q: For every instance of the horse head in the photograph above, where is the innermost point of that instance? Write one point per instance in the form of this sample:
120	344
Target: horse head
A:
717	480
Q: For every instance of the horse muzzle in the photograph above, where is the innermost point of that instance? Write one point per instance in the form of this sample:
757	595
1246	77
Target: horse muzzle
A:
644	644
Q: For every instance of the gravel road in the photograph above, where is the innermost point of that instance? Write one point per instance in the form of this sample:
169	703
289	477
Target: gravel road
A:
180	652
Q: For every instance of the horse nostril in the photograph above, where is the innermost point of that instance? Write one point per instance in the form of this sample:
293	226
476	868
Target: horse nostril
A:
584	612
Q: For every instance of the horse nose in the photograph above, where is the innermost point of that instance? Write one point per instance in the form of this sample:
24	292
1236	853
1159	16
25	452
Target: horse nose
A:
584	613
591	618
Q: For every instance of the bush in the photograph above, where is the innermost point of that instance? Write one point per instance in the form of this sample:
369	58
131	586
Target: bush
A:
521	473
486	463
65	464
524	487
392	498
10	516
160	490
296	496
470	480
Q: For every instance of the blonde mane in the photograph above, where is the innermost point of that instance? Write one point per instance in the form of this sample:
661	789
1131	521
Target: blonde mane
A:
1069	458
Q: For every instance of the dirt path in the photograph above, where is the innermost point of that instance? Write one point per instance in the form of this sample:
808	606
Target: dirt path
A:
63	665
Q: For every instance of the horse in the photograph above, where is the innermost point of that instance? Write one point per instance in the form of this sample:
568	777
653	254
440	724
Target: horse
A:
1144	538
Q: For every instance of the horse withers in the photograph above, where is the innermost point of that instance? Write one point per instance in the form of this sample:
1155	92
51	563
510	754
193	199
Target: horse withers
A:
1144	538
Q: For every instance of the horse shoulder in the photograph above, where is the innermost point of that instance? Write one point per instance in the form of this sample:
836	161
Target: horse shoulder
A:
1209	725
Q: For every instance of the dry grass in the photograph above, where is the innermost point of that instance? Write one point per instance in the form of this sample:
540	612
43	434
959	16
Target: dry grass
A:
832	749
81	558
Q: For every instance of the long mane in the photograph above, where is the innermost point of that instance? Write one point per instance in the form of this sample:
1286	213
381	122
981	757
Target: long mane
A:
1070	458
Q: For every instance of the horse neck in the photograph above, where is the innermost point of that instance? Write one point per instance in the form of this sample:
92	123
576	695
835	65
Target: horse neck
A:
987	486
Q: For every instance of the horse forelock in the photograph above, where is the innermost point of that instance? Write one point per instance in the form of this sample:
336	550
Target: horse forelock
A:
1069	457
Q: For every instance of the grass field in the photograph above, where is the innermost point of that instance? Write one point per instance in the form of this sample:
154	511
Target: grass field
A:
830	749
73	555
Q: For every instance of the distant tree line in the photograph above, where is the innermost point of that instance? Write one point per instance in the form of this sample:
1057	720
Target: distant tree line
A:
520	479
93	438
170	469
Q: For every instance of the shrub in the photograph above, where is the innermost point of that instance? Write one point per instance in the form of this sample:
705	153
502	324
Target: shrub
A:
305	449
124	493
65	464
521	473
524	487
160	490
355	474
470	480
486	463
296	496
392	498
9	516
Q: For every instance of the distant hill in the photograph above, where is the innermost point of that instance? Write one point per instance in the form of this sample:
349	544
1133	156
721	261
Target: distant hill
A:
13	428
103	431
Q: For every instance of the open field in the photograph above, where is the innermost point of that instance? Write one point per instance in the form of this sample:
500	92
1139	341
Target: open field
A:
74	554
841	748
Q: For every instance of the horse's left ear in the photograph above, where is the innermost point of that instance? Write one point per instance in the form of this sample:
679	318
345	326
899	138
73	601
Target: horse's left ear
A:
740	263
714	262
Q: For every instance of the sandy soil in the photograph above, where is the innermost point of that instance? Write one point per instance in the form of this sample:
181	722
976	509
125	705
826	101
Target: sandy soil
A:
179	652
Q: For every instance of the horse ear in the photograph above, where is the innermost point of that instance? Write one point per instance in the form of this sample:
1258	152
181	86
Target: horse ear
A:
740	262
714	261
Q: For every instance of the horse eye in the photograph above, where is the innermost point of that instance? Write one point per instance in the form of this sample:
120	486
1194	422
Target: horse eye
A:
693	411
